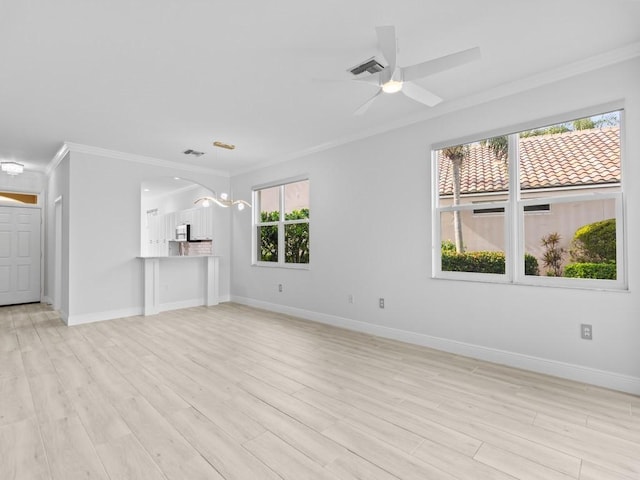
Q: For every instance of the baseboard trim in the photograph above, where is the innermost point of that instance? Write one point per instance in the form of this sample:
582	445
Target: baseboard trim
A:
194	302
579	373
72	320
81	319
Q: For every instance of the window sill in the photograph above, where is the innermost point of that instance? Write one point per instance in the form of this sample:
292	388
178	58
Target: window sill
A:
545	282
286	266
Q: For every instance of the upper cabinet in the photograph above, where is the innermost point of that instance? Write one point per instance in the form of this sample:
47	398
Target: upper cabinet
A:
201	224
162	229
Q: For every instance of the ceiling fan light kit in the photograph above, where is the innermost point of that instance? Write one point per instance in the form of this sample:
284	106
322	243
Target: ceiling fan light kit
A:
392	86
394	78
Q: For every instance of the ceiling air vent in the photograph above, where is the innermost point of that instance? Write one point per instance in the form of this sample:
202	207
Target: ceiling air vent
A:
372	66
195	153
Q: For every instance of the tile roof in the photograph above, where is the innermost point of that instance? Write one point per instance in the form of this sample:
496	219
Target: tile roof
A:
582	157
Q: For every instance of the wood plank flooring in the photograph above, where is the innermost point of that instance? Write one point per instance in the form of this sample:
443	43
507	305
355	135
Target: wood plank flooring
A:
230	392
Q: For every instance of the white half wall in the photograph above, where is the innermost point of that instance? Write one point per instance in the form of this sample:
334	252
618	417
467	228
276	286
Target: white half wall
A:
371	237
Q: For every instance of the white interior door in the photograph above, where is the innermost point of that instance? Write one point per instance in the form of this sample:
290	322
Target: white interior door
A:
19	255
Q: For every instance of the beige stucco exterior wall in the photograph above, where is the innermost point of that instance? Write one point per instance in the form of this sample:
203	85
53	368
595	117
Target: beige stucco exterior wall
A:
486	231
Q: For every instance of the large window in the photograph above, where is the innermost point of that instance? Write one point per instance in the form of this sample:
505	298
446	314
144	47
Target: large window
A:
539	206
281	224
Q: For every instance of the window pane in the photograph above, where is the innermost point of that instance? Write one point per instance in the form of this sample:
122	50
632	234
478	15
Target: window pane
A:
296	238
26	198
482	241
474	172
268	243
578	239
581	155
296	200
269	201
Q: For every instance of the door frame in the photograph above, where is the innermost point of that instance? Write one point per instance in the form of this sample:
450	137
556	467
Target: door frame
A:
35	206
57	254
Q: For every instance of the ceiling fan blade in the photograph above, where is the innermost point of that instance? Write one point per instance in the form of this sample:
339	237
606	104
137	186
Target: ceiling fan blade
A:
388	44
365	106
430	67
419	94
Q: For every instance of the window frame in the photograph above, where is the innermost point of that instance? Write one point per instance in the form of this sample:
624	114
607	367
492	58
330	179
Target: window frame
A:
486	211
280	224
514	213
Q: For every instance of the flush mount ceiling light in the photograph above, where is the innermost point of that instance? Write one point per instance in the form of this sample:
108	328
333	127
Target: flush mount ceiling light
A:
12	168
223	201
228	146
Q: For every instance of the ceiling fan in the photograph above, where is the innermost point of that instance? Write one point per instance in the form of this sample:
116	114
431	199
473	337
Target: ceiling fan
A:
393	78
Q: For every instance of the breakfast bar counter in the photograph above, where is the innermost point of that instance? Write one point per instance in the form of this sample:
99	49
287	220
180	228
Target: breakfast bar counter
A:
153	271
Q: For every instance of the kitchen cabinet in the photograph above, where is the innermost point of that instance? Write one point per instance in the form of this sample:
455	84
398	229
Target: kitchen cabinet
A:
202	224
162	228
152	236
157	239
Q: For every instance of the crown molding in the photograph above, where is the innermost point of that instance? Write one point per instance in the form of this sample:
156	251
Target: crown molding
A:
57	158
612	57
547	77
129	157
551	76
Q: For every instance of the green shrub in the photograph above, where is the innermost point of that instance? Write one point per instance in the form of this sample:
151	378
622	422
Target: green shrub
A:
482	262
479	262
605	271
448	246
594	243
530	265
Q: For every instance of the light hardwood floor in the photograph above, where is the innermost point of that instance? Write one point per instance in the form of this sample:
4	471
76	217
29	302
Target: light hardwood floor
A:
230	392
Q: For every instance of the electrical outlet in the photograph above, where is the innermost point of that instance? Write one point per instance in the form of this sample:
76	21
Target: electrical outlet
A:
350	298
586	331
280	287
381	302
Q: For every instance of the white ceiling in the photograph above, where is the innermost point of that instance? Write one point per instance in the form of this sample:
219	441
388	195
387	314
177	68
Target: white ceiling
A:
155	77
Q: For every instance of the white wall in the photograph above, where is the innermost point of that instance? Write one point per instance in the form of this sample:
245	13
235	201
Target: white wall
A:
105	277
57	187
28	182
371	237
